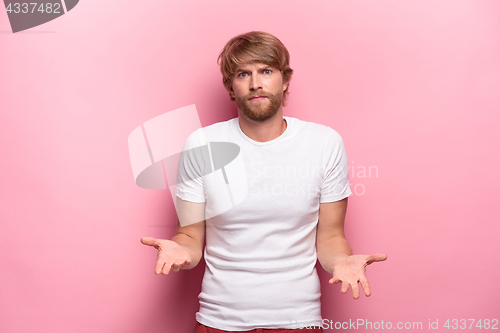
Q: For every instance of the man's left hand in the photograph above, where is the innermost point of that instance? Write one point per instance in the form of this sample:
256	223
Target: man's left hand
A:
352	270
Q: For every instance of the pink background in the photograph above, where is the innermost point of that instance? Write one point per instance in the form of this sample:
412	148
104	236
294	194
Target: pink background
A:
412	87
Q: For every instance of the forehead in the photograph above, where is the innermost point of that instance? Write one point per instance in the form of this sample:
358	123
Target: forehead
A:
251	65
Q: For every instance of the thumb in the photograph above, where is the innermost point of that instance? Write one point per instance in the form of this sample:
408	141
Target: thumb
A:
149	241
376	257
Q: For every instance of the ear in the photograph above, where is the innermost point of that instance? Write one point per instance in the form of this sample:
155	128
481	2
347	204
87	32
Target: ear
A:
231	93
285	86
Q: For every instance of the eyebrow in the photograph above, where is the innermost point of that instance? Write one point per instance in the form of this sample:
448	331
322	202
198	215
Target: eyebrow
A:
245	69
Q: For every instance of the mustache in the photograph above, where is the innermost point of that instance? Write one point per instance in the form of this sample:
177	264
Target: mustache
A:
257	95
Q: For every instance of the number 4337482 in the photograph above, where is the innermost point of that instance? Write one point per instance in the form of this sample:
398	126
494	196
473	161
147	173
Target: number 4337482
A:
30	8
464	324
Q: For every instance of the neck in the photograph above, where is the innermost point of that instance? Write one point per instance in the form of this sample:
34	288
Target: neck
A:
263	131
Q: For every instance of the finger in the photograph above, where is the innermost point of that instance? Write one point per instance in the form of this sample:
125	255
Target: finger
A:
355	290
366	287
159	267
178	266
166	269
149	241
375	258
345	287
334	280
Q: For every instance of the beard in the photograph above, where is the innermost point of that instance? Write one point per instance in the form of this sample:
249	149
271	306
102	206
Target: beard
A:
261	110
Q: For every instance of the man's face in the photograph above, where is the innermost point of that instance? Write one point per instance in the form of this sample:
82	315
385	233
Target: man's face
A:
258	90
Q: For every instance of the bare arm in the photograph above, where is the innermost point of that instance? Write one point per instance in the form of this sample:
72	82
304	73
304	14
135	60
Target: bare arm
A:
335	254
185	249
331	244
191	238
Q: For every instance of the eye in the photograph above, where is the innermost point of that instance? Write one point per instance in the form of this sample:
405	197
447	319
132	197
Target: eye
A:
243	74
267	71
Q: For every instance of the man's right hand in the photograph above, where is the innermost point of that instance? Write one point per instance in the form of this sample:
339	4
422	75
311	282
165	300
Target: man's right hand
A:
171	256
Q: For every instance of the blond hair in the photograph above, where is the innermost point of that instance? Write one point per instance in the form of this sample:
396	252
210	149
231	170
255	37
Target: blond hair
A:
254	47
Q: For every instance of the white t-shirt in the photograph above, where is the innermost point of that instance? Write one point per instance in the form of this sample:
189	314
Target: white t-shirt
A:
261	254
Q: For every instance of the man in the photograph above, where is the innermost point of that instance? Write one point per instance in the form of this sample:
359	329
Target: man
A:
261	254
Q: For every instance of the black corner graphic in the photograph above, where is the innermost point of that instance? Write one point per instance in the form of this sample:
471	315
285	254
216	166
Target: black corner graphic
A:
70	4
32	13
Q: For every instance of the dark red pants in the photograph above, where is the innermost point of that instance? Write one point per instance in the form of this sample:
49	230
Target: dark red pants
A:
200	328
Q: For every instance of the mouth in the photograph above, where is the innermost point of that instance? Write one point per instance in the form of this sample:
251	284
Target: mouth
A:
257	98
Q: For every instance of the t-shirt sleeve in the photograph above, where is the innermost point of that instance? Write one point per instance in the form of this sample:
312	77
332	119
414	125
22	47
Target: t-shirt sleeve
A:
335	185
189	184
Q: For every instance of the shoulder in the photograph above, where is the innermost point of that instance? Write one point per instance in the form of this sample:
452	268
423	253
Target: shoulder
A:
215	132
220	127
315	130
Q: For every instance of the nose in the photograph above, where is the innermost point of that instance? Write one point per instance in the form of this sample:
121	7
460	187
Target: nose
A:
255	82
